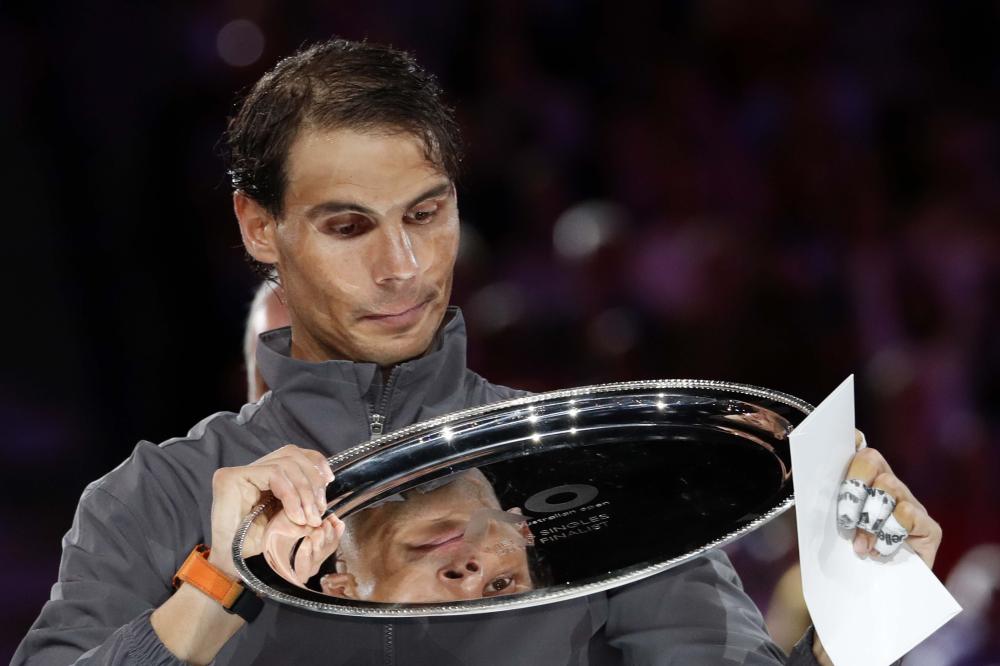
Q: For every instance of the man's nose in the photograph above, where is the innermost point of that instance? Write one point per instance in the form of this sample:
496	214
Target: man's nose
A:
462	572
396	260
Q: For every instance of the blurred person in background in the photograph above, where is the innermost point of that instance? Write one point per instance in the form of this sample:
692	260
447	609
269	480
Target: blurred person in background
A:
343	161
267	312
971	638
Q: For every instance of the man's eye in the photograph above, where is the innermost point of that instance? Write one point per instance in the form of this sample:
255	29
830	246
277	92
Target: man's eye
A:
500	584
348	228
423	216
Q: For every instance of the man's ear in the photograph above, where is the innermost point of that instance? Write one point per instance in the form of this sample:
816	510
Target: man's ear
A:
522	527
257	227
339	585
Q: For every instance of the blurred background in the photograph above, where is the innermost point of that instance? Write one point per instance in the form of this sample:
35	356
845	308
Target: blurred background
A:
779	193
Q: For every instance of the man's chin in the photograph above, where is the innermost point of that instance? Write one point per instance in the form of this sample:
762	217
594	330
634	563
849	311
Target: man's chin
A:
388	345
386	358
388	350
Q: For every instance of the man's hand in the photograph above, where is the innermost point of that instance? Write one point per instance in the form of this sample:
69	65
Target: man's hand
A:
888	504
883	512
193	626
311	546
296	477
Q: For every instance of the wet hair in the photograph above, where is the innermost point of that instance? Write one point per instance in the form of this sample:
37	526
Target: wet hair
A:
336	84
539	569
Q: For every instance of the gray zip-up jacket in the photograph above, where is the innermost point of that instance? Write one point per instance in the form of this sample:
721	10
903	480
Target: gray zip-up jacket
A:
135	526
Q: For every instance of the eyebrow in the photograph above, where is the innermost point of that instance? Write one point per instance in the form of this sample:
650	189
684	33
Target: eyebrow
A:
333	207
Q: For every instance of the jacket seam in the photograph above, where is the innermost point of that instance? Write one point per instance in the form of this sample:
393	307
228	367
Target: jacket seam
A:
128	510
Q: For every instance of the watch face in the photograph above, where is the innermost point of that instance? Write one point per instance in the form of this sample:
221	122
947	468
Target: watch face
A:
531	501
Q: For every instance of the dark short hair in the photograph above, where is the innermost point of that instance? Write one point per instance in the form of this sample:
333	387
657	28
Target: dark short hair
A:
331	85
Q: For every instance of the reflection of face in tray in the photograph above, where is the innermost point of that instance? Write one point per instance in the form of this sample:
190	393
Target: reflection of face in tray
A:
567	497
587	510
447	540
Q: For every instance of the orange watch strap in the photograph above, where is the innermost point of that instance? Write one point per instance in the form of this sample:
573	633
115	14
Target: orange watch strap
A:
197	571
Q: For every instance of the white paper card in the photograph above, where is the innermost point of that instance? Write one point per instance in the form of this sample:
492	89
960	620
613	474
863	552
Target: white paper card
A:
867	612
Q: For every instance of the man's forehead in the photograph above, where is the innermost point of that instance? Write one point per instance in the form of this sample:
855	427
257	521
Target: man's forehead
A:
379	169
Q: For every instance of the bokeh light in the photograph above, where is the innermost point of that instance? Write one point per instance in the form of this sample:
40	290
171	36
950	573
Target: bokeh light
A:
240	43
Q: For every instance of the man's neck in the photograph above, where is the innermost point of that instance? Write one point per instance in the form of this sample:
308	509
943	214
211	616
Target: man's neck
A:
306	348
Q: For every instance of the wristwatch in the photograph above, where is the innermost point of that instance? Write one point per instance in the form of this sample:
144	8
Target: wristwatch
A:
231	594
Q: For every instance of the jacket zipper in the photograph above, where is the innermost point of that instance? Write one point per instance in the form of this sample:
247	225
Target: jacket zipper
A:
376	427
380	411
389	652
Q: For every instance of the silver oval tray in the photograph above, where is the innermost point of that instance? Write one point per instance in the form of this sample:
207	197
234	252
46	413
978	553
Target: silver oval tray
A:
535	500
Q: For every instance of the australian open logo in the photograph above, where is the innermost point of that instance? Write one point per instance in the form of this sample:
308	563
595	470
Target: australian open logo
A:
566	511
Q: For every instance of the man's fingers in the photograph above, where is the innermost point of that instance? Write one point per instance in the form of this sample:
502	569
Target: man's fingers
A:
317	470
319	461
891	484
910	522
288	494
864	507
339	527
866	465
296	477
850	502
336	529
316	547
308	472
883	509
890	537
306	481
304	558
863	542
879	505
861	502
321	475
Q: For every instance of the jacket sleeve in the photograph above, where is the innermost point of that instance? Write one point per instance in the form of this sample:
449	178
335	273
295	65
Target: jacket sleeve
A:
110	579
697	613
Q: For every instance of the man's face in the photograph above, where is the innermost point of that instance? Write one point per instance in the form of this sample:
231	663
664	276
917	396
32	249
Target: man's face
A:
366	247
429	548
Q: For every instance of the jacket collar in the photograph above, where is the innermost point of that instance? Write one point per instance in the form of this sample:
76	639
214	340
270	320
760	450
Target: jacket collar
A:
333	400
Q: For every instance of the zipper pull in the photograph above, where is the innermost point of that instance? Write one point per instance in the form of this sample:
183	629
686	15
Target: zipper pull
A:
376	425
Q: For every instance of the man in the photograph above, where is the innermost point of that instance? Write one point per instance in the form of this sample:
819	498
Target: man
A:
343	161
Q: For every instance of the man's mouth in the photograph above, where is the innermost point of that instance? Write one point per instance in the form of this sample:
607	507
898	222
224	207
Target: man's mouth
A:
400	317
